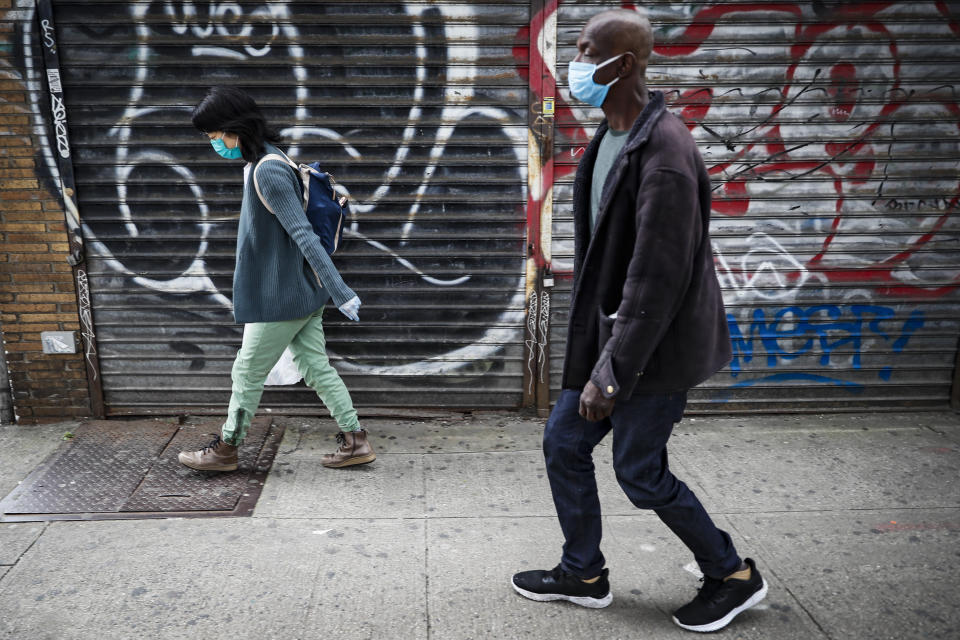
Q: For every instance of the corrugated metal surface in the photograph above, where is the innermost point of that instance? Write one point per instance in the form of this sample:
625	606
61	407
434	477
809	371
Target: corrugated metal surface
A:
831	132
416	107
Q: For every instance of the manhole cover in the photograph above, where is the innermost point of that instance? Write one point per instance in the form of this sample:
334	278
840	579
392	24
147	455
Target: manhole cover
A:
129	469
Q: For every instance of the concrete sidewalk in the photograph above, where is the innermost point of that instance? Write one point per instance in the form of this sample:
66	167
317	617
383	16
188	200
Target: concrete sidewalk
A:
854	521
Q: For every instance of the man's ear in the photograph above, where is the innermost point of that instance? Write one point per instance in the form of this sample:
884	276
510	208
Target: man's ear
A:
628	63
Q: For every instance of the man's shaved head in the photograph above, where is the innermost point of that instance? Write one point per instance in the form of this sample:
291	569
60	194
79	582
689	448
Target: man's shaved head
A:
622	30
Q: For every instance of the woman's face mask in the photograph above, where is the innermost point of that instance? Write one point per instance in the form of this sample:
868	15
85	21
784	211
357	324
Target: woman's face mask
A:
582	85
221	148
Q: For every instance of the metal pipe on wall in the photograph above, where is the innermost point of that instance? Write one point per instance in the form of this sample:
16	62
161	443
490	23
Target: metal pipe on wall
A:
542	65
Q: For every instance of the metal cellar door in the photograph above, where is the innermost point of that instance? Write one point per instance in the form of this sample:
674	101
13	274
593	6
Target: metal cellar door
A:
418	108
831	131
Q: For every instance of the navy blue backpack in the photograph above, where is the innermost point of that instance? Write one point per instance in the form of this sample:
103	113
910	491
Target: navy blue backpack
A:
325	208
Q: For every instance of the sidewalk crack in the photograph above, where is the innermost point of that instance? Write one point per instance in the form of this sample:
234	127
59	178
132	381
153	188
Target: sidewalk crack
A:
25	551
781	582
426	553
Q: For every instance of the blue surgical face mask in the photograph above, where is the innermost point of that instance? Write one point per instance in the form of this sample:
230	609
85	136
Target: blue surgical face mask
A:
582	85
221	147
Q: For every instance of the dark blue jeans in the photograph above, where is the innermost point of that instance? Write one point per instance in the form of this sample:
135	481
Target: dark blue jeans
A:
641	427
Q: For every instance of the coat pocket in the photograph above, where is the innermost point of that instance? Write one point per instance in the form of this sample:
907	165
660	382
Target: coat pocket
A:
604	329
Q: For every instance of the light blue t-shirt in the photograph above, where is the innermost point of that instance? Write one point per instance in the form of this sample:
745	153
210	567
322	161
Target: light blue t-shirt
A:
610	147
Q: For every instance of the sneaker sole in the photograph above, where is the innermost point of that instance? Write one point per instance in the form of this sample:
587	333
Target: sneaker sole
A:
727	619
583	601
349	462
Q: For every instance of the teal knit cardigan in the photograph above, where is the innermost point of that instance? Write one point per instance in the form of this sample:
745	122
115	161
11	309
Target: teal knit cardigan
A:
282	270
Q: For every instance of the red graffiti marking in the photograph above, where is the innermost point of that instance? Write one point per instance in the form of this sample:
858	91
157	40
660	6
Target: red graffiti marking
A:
731	199
694	103
849	162
543	84
843	90
945	10
706	19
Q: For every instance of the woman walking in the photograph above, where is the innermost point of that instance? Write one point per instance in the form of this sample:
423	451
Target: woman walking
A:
282	280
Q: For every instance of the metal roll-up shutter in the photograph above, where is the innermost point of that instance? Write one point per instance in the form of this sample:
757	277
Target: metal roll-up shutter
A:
417	108
831	133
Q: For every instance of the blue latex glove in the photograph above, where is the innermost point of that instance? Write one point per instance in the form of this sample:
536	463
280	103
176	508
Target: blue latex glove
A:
350	308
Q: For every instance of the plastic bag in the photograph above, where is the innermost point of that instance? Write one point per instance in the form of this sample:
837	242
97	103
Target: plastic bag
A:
284	372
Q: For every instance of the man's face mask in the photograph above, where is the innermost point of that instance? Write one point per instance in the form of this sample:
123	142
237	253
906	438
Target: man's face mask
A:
582	85
221	147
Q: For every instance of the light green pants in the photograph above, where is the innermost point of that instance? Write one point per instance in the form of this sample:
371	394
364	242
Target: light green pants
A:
263	344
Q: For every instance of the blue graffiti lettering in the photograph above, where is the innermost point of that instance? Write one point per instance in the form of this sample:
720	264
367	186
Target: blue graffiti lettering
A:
822	328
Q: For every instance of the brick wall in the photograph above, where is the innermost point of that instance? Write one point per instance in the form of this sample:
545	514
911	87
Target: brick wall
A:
37	290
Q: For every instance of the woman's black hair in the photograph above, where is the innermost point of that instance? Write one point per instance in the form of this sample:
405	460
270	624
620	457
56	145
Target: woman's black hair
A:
231	110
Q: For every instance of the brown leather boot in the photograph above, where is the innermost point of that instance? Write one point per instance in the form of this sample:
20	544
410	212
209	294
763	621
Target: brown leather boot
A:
354	449
216	456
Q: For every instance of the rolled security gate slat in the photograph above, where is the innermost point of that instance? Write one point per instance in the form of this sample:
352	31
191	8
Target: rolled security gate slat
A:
832	134
417	108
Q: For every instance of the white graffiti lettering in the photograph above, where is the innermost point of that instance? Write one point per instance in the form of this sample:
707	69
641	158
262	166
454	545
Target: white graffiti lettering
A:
60	124
227	19
532	339
544	333
86	320
53	80
48	35
238	32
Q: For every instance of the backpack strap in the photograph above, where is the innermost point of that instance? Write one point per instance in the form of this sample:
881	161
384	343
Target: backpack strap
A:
290	163
342	200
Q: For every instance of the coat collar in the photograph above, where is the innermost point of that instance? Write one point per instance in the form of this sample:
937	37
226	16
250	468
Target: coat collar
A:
643	125
639	134
269	148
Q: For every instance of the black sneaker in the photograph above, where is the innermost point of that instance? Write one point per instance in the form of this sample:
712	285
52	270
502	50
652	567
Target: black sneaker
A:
719	601
557	584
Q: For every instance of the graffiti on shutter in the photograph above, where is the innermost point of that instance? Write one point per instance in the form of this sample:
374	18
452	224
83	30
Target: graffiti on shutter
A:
831	131
416	108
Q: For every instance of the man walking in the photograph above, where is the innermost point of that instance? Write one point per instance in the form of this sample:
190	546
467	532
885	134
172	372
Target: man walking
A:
647	323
